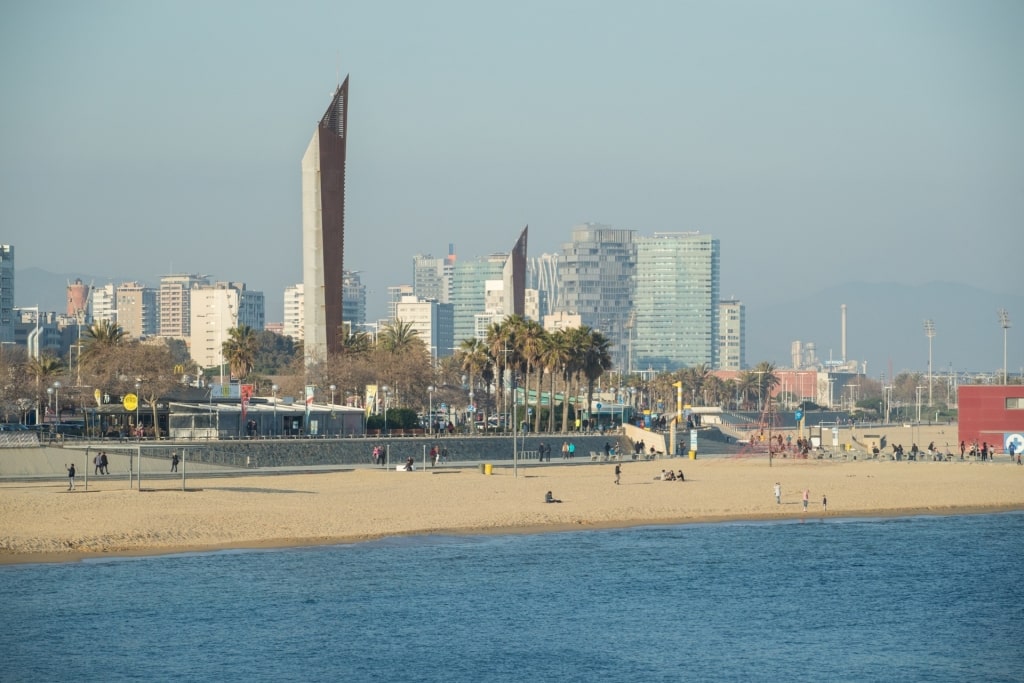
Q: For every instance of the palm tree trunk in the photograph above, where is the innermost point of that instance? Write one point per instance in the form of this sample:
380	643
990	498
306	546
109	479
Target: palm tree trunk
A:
565	402
537	401
551	406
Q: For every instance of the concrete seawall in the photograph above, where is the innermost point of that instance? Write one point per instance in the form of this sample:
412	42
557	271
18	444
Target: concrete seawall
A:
257	453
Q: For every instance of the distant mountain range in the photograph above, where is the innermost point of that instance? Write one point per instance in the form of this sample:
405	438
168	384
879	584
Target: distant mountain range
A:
884	328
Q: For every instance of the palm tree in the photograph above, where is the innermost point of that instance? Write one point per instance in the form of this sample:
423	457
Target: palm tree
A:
595	361
576	340
102	334
397	336
555	357
357	342
767	380
746	387
240	350
531	343
475	362
502	348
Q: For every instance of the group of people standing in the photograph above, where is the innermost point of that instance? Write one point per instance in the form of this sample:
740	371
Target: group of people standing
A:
438	455
100	463
805	498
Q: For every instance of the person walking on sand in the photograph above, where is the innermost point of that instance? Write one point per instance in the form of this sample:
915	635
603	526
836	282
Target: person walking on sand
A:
778	493
71	476
807	498
824	503
618	472
174	462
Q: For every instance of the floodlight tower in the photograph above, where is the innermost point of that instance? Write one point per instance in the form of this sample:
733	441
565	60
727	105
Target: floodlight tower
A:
1004	321
929	331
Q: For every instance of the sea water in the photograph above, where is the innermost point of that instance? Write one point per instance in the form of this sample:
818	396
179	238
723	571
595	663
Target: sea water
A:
899	599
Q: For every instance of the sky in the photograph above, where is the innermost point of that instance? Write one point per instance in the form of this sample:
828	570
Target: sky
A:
821	142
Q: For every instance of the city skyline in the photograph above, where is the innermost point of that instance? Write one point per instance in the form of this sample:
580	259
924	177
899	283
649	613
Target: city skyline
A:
822	144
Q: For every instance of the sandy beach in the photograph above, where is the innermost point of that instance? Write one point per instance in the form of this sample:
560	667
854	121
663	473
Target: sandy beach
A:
43	522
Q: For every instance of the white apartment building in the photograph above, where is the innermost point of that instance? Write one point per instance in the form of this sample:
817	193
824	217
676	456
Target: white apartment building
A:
294	312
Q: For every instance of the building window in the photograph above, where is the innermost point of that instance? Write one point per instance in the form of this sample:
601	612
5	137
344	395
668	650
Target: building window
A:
1015	403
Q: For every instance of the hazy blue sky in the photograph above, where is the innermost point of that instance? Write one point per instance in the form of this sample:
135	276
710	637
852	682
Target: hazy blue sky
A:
821	142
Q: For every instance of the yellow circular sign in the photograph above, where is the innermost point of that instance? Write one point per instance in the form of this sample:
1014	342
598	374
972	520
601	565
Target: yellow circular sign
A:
130	402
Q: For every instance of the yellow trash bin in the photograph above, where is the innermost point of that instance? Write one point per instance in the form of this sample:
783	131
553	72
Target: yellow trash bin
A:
693	455
488	468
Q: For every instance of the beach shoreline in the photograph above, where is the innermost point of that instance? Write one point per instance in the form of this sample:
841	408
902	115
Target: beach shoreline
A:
44	523
294	543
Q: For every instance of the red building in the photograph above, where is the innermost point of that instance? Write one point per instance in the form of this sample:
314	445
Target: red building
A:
992	414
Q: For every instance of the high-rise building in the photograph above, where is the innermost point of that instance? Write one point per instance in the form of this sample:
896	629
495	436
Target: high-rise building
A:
514	278
432	322
214	311
103	304
732	335
469	292
7	320
432	277
595	282
252	307
542	275
136	309
676	301
536	304
354	297
175	299
396	294
294	309
323	229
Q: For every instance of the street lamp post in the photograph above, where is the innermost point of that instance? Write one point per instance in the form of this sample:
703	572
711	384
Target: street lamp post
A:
56	397
49	398
333	389
929	331
430	418
138	400
1004	322
386	390
273	391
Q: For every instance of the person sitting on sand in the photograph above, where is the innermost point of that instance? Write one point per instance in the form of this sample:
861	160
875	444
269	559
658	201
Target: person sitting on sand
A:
669	476
680	477
548	498
408	465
